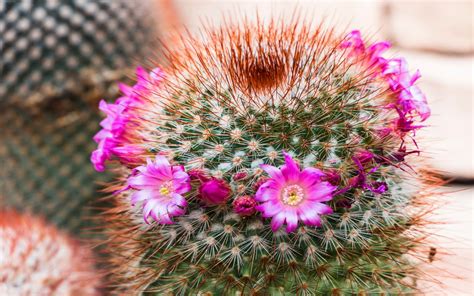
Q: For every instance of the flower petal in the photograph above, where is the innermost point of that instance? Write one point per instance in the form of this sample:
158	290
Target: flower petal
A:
277	221
181	182
161	167
322	209
309	176
148	207
310	218
269	209
320	192
98	158
141	195
125	89
179	200
265	192
174	210
291	220
273	172
290	170
163	218
142	182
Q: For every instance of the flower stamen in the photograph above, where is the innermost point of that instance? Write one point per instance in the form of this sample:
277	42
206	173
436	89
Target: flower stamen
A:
292	195
166	189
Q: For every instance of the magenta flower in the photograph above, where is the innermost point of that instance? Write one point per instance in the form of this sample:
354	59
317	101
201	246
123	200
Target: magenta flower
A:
260	181
411	102
360	180
363	156
112	138
375	54
160	187
354	43
214	191
107	138
395	157
239	176
198	174
375	50
244	205
405	123
332	176
410	98
292	195
128	152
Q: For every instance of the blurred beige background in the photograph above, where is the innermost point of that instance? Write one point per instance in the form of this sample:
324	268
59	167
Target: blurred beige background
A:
435	37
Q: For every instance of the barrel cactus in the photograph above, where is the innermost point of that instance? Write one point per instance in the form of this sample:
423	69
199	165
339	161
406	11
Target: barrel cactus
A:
267	158
37	259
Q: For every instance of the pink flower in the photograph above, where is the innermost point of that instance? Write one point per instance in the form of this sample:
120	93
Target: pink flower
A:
128	152
375	50
160	187
214	191
363	155
395	70
244	205
411	102
108	137
198	174
332	176
410	98
292	195
375	54
112	138
354	43
239	176
261	180
405	123
360	180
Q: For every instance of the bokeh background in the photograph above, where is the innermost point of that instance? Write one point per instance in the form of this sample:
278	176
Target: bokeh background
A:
58	58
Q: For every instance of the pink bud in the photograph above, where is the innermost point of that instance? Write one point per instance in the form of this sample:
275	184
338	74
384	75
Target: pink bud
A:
259	182
332	176
244	205
240	176
198	174
363	156
214	192
344	203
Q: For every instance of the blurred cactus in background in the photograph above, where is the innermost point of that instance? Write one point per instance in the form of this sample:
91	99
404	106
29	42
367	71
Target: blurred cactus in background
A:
267	159
37	259
58	59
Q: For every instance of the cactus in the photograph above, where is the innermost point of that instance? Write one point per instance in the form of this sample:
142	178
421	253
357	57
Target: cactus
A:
267	159
37	259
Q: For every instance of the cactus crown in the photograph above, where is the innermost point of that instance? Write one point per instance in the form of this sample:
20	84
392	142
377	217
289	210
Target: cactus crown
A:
258	127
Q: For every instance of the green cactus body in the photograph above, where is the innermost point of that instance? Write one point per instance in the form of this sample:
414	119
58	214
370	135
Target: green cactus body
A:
234	102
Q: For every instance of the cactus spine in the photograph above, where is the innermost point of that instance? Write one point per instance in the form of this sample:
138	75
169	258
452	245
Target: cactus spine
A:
242	111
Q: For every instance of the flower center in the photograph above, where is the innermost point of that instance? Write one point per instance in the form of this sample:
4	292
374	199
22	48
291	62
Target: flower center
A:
292	195
166	189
